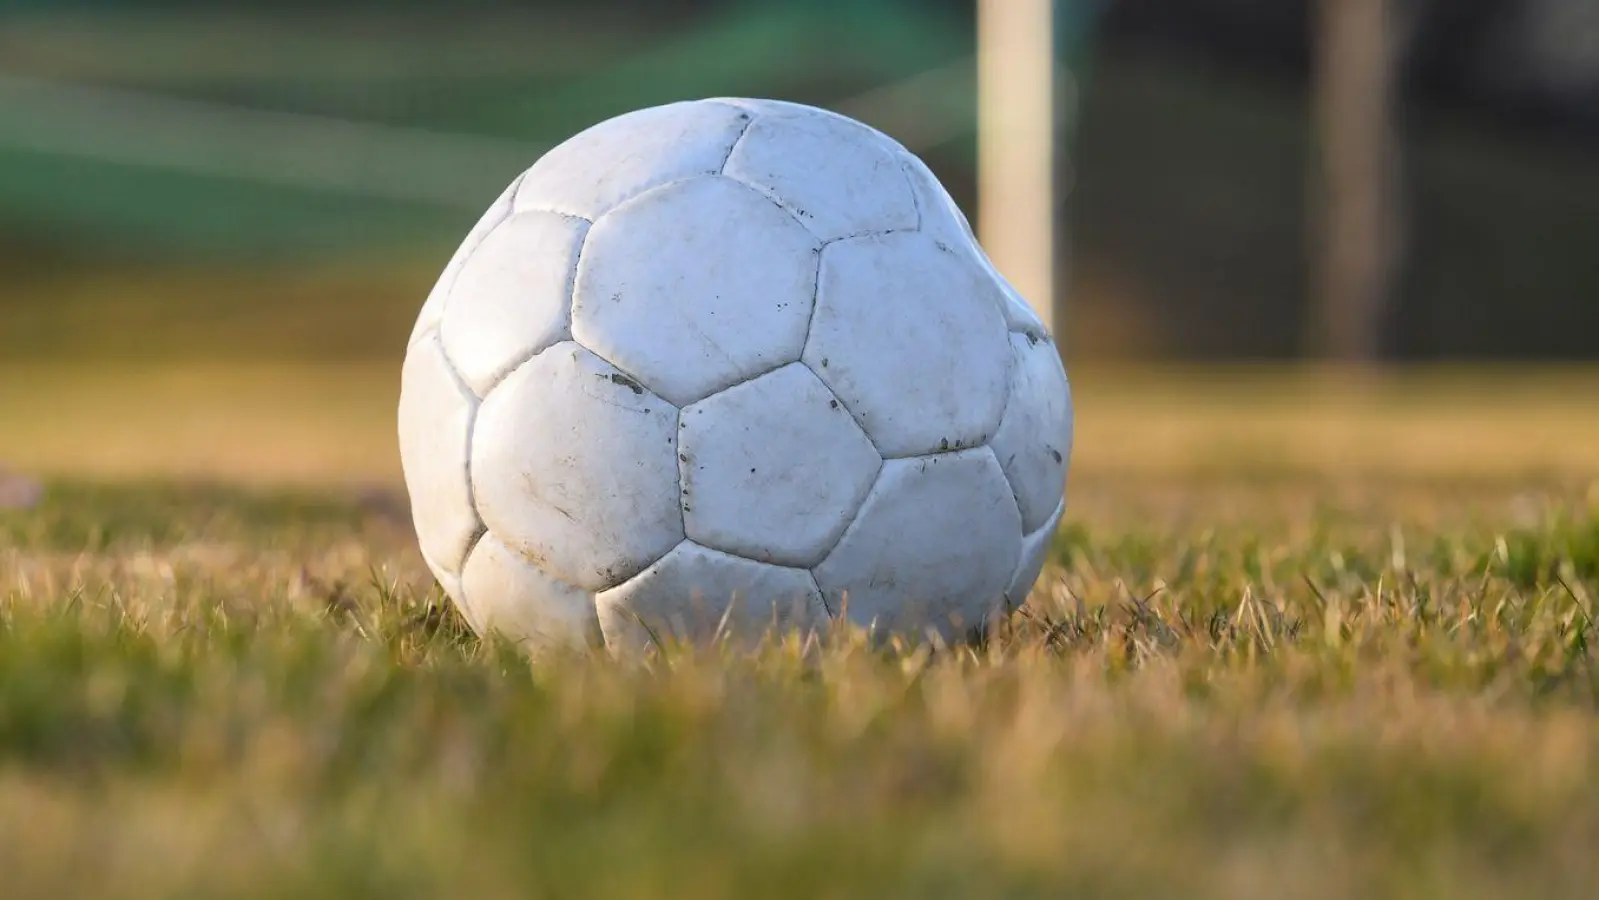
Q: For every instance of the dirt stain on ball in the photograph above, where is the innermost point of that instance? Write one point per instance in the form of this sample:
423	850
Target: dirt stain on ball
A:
624	381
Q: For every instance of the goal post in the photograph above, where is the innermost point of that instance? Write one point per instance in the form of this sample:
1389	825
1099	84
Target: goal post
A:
1016	145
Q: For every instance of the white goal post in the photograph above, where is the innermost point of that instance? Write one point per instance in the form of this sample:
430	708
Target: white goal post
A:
1016	118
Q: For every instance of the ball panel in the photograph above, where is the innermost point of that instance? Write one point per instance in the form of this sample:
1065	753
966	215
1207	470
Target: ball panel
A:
909	336
575	467
512	597
1019	314
941	217
451	583
511	298
591	173
936	544
837	176
773	469
696	286
943	220
435	419
1035	552
1034	440
780	109
433	308
689	591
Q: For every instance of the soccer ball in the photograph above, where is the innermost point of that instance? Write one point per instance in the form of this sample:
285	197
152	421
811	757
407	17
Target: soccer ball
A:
721	366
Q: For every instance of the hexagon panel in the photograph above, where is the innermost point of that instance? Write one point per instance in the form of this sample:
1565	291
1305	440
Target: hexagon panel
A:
1035	552
1019	314
910	338
773	469
686	595
451	582
943	220
839	177
936	542
696	286
509	595
594	171
575	468
435	421
433	308
512	297
1034	440
941	217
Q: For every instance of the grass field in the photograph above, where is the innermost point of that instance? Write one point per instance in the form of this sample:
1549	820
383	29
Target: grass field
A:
1303	637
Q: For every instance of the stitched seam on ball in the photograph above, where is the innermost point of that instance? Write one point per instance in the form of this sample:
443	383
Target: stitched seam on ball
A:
987	435
432	333
629	199
471	549
1012	365
1055	517
516	187
860	508
916	200
449	365
734	554
455	276
742	104
594	632
857	235
595	636
471	428
547	211
716	391
432	564
682	466
1010	398
824	242
844	405
810	577
455	280
1015	493
1058	513
471	481
855	513
928	454
821	595
749	122
517	363
1021	527
771	197
810	320
472	546
1013	604
652	563
471	497
682	469
566	333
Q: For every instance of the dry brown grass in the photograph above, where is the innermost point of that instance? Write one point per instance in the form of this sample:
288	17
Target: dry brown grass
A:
1298	640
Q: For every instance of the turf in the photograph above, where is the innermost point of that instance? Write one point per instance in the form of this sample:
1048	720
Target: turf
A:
1258	666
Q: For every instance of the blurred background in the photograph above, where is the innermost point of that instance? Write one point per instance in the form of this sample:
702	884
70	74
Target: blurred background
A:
241	182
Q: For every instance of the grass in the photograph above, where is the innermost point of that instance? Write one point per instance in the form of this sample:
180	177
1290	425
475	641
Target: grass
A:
1301	637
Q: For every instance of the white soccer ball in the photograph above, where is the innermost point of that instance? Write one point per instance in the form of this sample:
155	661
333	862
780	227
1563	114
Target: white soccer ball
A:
718	366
